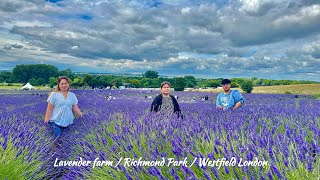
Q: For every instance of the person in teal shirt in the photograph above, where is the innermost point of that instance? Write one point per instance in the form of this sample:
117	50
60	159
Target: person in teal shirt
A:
229	99
61	105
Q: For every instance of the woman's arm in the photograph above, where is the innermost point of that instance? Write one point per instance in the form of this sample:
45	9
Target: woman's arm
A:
155	105
48	113
238	104
76	109
218	102
238	99
175	103
177	107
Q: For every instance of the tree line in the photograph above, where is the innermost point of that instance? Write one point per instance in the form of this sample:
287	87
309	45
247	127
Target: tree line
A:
43	74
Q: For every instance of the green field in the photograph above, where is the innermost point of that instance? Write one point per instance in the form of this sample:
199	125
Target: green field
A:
311	89
308	89
18	86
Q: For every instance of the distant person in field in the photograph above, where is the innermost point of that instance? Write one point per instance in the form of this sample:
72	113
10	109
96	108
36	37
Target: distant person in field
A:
166	103
229	99
61	105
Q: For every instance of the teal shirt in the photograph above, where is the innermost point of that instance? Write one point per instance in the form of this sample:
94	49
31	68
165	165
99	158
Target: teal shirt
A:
228	101
62	113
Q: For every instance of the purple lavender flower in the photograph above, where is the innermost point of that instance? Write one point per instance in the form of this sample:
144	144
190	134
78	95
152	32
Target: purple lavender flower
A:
276	171
215	172
226	169
217	142
269	174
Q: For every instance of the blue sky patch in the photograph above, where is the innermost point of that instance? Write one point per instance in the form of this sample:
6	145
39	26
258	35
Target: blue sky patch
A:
54	1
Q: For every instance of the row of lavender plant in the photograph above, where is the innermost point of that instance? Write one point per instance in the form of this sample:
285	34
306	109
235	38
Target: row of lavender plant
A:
274	128
280	129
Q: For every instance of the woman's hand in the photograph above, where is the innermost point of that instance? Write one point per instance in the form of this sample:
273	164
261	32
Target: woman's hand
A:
46	121
48	113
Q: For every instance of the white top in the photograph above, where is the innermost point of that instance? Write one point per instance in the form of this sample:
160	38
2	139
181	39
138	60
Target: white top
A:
62	113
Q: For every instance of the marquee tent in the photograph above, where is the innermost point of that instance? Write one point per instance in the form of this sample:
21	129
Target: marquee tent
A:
28	86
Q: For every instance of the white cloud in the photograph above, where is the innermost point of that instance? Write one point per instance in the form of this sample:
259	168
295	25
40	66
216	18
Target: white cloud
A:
304	16
185	10
201	67
313	49
28	24
250	5
74	47
244	37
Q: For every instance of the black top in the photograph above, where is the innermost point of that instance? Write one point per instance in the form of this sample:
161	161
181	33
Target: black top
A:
157	102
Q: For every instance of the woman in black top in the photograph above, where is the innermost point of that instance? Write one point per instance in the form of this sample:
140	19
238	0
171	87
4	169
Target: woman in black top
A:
165	102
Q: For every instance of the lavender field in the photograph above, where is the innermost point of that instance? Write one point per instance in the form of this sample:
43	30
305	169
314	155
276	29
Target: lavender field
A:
282	130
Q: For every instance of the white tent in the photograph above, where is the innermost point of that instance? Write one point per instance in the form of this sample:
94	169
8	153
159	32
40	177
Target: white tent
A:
28	86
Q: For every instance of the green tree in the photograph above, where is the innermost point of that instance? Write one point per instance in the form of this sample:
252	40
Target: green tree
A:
53	81
67	72
22	73
234	84
41	81
155	83
77	82
212	83
146	82
33	82
266	82
136	83
257	82
179	84
88	79
6	77
117	82
295	82
94	83
247	86
238	80
191	81
91	81
151	74
105	81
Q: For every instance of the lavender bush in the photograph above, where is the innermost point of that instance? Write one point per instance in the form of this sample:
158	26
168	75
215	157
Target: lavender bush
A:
280	129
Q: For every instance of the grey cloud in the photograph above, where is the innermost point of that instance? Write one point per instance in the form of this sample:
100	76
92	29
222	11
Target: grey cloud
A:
253	40
17	46
13	46
13	6
309	2
7	47
136	35
316	55
279	23
312	49
261	10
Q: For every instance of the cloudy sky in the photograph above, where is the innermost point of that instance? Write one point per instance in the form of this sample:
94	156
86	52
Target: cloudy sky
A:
275	39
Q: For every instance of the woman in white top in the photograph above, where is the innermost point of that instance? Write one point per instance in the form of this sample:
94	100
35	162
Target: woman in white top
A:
61	105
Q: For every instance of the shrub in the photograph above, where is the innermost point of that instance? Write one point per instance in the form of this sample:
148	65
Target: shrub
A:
247	86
